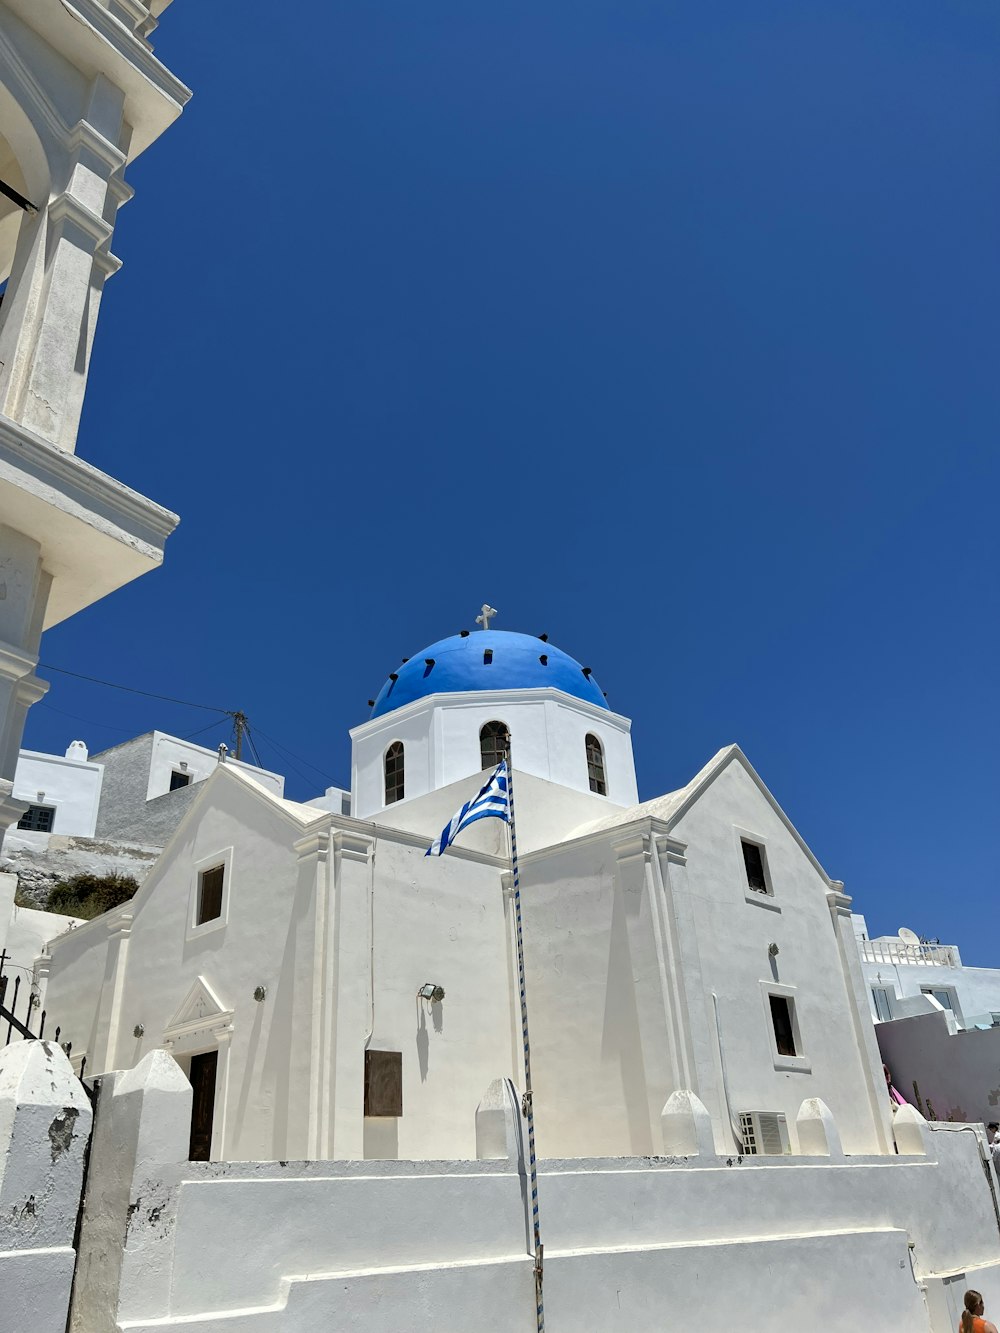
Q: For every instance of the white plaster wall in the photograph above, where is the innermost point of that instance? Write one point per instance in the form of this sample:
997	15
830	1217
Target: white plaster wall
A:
545	812
428	920
603	993
74	788
440	736
443	921
950	1076
170	753
735	929
976	989
629	1244
28	932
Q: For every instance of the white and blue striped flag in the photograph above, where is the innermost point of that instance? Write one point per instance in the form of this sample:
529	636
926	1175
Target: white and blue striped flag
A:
493	802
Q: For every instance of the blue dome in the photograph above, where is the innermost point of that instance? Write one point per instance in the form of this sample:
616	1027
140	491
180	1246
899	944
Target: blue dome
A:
490	659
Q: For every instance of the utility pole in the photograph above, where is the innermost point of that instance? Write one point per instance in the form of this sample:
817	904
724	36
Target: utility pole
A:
240	724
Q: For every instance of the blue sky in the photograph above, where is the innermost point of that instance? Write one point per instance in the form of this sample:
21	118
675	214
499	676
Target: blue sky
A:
668	328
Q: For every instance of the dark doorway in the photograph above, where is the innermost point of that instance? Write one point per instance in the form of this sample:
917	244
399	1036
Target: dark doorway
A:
202	1076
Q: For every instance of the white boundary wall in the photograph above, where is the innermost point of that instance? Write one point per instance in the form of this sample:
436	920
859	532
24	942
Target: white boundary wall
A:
637	1244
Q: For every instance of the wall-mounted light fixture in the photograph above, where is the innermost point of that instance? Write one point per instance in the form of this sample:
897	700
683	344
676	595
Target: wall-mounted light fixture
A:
431	991
260	994
773	950
138	1030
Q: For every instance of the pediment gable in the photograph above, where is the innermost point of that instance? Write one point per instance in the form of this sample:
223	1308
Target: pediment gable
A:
200	1009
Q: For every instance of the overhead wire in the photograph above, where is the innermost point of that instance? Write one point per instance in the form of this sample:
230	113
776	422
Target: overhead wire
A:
88	722
130	689
294	760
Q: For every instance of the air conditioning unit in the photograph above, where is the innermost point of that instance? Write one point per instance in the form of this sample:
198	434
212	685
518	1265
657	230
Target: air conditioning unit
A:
764	1133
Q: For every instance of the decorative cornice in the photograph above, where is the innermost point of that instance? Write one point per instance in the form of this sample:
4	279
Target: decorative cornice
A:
839	902
478	698
671	850
113	32
83	485
108	263
67	208
635	845
15	663
608	836
83	135
350	846
314	846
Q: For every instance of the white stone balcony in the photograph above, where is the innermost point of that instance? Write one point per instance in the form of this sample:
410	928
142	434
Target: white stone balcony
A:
895	951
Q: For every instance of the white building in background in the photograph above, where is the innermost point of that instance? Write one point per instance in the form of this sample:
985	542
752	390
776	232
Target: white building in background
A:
81	96
937	1023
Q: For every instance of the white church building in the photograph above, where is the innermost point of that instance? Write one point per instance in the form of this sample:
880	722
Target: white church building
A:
308	1030
279	951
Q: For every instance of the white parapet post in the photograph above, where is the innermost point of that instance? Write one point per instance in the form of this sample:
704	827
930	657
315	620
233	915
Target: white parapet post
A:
142	1129
498	1123
909	1129
686	1126
45	1121
817	1130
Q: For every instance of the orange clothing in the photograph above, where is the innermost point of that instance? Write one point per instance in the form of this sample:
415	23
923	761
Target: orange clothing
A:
978	1324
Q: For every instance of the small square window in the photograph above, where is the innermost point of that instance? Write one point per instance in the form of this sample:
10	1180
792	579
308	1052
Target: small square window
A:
784	1028
38	818
210	885
753	860
179	779
943	997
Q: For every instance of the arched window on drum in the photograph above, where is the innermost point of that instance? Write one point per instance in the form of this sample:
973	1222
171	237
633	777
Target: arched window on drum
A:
394	784
494	744
595	765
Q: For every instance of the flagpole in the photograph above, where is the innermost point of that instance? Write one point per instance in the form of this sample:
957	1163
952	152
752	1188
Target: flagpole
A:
527	1106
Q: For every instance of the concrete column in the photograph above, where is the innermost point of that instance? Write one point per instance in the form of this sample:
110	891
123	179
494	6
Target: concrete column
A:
102	1057
47	376
24	591
143	1118
306	965
45	1121
349	983
854	984
640	991
693	1018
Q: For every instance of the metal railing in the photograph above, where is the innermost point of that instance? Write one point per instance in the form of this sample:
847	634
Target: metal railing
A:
30	1026
893	951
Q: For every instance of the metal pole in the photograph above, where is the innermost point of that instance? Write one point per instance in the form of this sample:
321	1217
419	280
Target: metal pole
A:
526	1103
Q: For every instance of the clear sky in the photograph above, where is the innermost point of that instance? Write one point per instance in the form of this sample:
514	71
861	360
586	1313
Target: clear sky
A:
670	328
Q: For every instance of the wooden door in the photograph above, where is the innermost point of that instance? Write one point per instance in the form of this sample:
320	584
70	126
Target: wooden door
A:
203	1071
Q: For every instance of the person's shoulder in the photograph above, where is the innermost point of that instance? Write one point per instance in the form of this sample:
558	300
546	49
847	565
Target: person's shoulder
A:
989	1326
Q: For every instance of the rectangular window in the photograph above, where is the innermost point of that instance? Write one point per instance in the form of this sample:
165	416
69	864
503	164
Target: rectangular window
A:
38	818
210	883
753	860
178	779
384	1083
943	997
784	1029
880	998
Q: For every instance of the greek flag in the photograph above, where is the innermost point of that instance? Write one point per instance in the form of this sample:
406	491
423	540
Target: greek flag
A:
492	803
